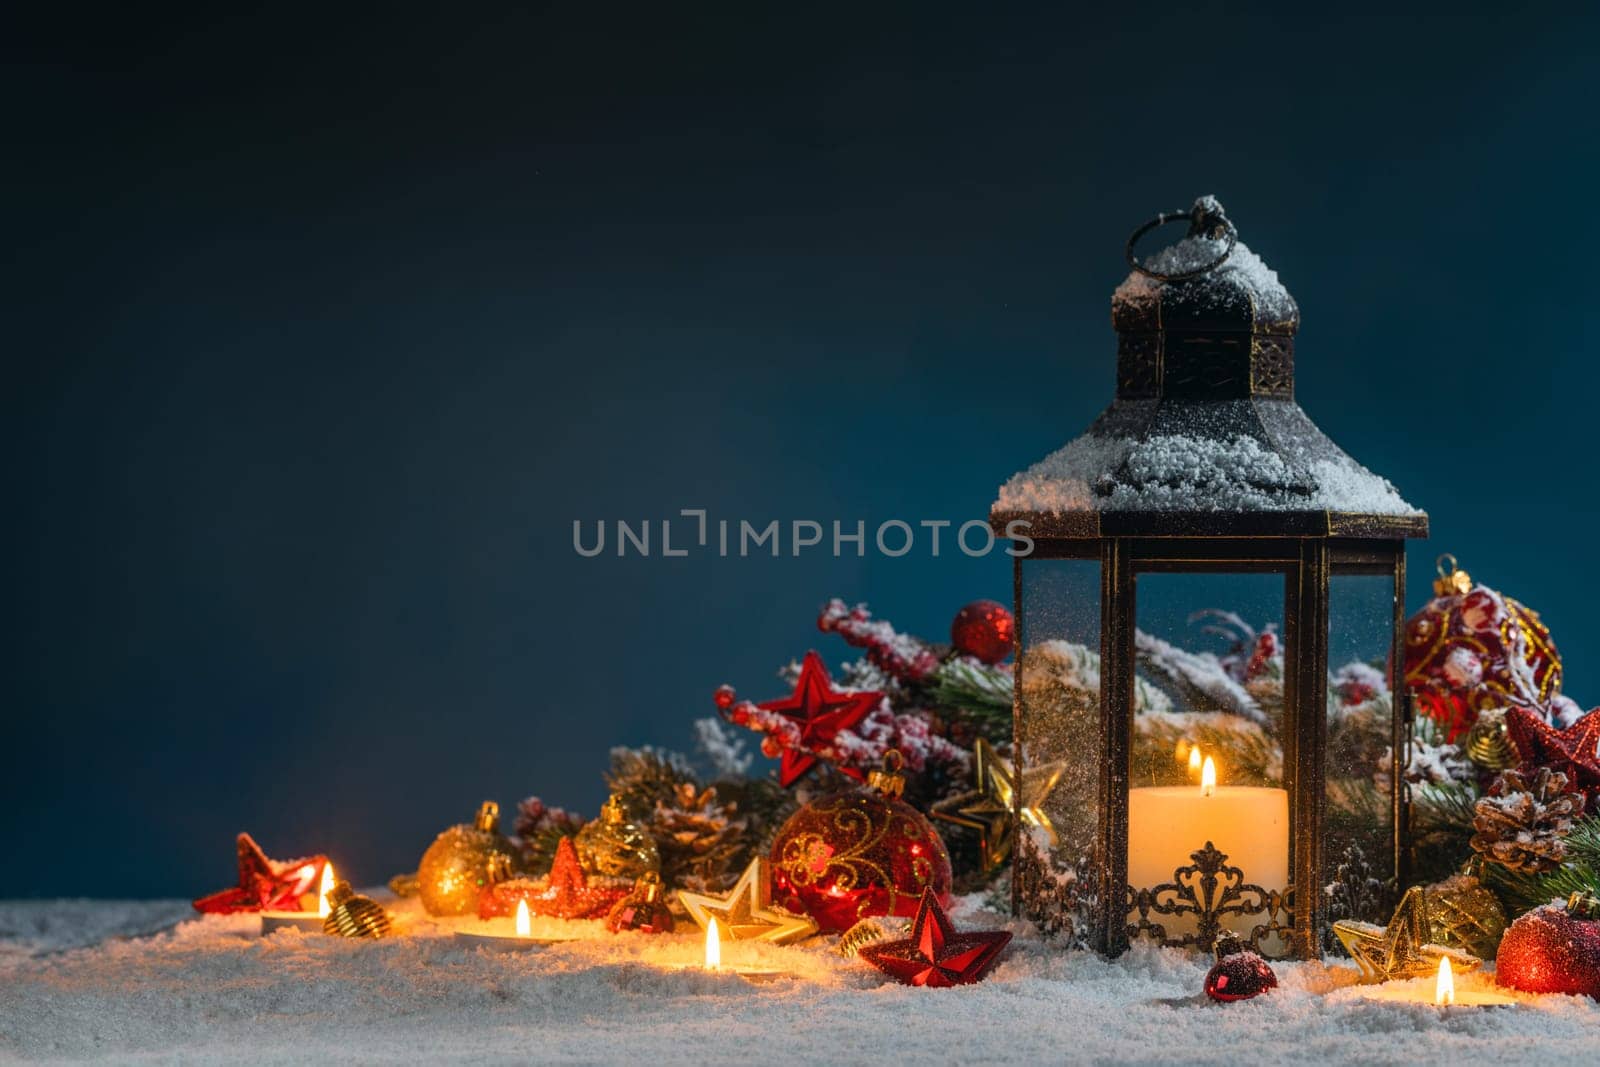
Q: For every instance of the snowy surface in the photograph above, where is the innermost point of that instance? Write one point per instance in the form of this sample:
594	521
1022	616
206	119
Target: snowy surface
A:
90	981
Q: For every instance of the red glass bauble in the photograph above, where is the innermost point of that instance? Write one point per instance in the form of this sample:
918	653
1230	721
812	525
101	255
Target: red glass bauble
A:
641	917
1239	977
984	630
1551	950
854	854
1471	651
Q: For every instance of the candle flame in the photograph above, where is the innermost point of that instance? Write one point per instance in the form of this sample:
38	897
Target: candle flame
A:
322	892
524	927
1208	778
1445	991
1181	752
1194	758
713	947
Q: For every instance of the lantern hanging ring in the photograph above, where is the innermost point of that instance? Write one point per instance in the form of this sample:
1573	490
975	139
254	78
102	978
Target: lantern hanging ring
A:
1205	219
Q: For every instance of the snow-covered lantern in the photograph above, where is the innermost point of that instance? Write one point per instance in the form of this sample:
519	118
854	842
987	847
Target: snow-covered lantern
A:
1166	790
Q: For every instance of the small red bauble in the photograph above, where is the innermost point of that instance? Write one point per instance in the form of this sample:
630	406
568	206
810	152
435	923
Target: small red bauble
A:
1239	977
1471	649
984	630
855	854
1552	949
643	911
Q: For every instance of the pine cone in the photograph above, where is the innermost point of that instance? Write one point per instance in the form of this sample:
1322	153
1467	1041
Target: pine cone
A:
699	838
1524	821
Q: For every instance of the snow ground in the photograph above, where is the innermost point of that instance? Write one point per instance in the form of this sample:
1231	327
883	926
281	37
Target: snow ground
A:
147	981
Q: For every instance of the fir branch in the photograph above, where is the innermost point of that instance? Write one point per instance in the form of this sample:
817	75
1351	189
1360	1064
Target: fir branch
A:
975	693
1199	679
1441	827
644	777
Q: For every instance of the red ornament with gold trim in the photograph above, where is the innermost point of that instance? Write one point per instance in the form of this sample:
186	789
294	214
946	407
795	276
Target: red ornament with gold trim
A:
859	853
1471	650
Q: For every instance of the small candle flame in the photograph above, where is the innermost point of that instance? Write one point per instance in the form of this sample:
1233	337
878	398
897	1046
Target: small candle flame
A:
1181	752
1194	758
713	947
524	927
1208	778
322	892
1445	991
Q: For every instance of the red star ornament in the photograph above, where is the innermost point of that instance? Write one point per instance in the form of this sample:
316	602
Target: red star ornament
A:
820	711
266	885
1574	751
935	955
565	893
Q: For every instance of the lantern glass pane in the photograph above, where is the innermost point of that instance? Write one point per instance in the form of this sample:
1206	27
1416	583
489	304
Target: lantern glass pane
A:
1209	656
1210	662
1358	828
1058	732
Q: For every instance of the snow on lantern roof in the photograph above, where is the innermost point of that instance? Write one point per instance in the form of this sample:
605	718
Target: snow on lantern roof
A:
1204	437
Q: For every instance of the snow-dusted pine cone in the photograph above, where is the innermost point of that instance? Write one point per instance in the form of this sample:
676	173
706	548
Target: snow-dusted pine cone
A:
699	838
1524	821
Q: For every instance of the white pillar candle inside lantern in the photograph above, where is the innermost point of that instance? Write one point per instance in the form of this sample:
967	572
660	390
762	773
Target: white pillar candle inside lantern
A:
1167	824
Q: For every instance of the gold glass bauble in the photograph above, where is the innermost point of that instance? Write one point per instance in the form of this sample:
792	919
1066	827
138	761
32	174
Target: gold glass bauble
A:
1461	913
462	860
613	847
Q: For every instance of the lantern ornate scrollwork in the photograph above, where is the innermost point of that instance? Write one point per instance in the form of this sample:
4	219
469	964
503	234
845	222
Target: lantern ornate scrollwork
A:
1212	892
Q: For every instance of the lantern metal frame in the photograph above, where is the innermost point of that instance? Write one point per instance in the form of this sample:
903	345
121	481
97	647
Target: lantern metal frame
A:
1230	359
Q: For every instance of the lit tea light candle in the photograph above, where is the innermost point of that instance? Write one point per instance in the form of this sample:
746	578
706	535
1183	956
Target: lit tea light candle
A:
1446	995
1441	993
1166	824
749	974
713	947
1195	769
308	921
516	939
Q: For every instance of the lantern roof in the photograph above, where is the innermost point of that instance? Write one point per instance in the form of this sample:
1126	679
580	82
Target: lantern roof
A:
1204	436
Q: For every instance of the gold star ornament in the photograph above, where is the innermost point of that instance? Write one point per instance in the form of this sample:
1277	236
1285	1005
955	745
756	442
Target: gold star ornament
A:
747	913
998	799
1399	950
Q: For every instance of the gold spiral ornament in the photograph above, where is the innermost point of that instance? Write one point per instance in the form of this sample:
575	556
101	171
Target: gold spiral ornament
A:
353	915
1489	743
867	932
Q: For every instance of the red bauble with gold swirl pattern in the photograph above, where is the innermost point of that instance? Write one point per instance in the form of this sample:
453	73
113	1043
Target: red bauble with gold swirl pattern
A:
1472	650
858	853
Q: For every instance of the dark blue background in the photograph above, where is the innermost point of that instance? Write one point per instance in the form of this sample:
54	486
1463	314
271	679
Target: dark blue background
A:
322	329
